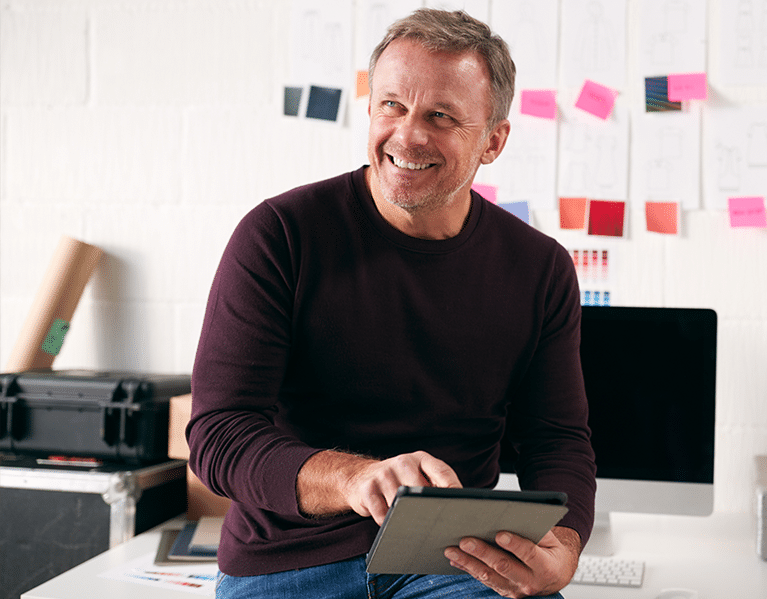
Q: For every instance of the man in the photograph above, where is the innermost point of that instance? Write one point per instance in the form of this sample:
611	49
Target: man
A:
384	328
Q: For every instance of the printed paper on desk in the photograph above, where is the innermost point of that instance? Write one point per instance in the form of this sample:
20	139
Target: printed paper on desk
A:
540	103
747	212
596	99
689	86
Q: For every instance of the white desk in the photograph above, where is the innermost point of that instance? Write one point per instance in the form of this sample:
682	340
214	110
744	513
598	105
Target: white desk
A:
715	556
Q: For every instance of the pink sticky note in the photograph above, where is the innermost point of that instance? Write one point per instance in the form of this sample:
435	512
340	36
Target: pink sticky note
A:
489	192
688	86
541	103
747	212
596	99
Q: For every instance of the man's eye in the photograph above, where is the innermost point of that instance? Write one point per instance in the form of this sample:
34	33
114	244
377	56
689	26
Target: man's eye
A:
440	115
390	103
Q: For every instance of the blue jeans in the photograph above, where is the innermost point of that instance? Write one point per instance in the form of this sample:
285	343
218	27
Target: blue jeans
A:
348	580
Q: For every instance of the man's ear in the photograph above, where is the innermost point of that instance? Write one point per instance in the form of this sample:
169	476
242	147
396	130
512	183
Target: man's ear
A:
496	141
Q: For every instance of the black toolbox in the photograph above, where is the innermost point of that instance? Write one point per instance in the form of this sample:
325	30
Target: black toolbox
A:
55	514
120	416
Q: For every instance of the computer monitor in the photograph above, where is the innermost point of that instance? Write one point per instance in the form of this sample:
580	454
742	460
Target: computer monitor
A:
650	376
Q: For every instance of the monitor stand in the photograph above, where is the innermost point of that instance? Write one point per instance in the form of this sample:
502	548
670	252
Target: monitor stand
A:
601	540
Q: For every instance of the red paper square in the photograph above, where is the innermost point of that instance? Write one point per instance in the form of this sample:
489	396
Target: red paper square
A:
606	218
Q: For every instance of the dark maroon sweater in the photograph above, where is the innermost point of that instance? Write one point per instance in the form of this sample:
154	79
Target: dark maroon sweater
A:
328	328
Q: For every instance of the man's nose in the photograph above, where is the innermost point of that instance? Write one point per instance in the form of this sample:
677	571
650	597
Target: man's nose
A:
412	131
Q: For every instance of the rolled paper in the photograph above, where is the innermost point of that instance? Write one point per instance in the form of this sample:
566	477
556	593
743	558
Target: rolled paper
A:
43	332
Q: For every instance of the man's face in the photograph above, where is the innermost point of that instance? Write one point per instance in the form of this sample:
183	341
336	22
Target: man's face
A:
428	121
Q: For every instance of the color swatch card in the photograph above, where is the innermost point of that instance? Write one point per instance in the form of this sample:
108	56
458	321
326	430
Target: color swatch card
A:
662	217
572	213
607	218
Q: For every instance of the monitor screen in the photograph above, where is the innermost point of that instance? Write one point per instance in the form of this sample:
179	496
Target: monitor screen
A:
650	377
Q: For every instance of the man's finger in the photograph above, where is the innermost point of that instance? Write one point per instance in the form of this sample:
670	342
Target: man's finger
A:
439	473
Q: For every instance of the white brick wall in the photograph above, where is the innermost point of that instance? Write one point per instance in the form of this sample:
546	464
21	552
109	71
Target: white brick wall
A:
149	128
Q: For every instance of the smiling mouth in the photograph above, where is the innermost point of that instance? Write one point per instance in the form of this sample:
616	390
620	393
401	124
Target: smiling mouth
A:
411	166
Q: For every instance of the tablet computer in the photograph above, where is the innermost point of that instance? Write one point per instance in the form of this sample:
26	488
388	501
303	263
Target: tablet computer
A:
423	521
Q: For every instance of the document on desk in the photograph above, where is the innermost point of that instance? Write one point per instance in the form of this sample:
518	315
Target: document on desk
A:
197	579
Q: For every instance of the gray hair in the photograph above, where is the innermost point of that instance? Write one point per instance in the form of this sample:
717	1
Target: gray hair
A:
456	31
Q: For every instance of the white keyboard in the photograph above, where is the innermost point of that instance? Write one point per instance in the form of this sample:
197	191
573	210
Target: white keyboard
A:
608	571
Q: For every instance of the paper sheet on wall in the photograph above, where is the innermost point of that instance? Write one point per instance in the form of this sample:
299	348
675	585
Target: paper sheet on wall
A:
736	154
665	157
672	37
594	42
743	35
530	28
321	43
593	154
373	18
526	169
479	9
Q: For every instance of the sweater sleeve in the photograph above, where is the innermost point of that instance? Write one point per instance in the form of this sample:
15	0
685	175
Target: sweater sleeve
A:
235	448
549	415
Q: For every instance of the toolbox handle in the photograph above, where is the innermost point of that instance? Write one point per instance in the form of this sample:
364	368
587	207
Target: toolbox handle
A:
115	426
7	402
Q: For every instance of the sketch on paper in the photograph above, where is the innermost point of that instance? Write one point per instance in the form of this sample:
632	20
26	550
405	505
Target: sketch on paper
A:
594	42
526	169
593	155
666	158
530	29
743	34
737	157
672	37
321	42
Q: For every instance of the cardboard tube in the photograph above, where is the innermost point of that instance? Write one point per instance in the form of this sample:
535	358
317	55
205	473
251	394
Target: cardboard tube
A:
48	321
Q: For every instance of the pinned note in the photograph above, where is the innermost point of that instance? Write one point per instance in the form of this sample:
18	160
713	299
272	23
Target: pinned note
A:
606	218
596	99
363	86
489	192
747	212
519	209
662	217
688	86
572	213
540	103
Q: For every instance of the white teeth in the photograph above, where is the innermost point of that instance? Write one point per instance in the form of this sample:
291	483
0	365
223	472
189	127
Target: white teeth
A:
409	165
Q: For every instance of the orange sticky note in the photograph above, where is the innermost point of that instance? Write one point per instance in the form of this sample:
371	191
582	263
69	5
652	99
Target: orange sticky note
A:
606	218
363	89
662	217
687	86
572	213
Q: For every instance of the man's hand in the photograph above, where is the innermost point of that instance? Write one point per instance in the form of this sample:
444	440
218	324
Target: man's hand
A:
332	482
520	568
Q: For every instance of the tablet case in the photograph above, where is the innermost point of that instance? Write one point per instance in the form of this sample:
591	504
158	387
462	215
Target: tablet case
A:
423	521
